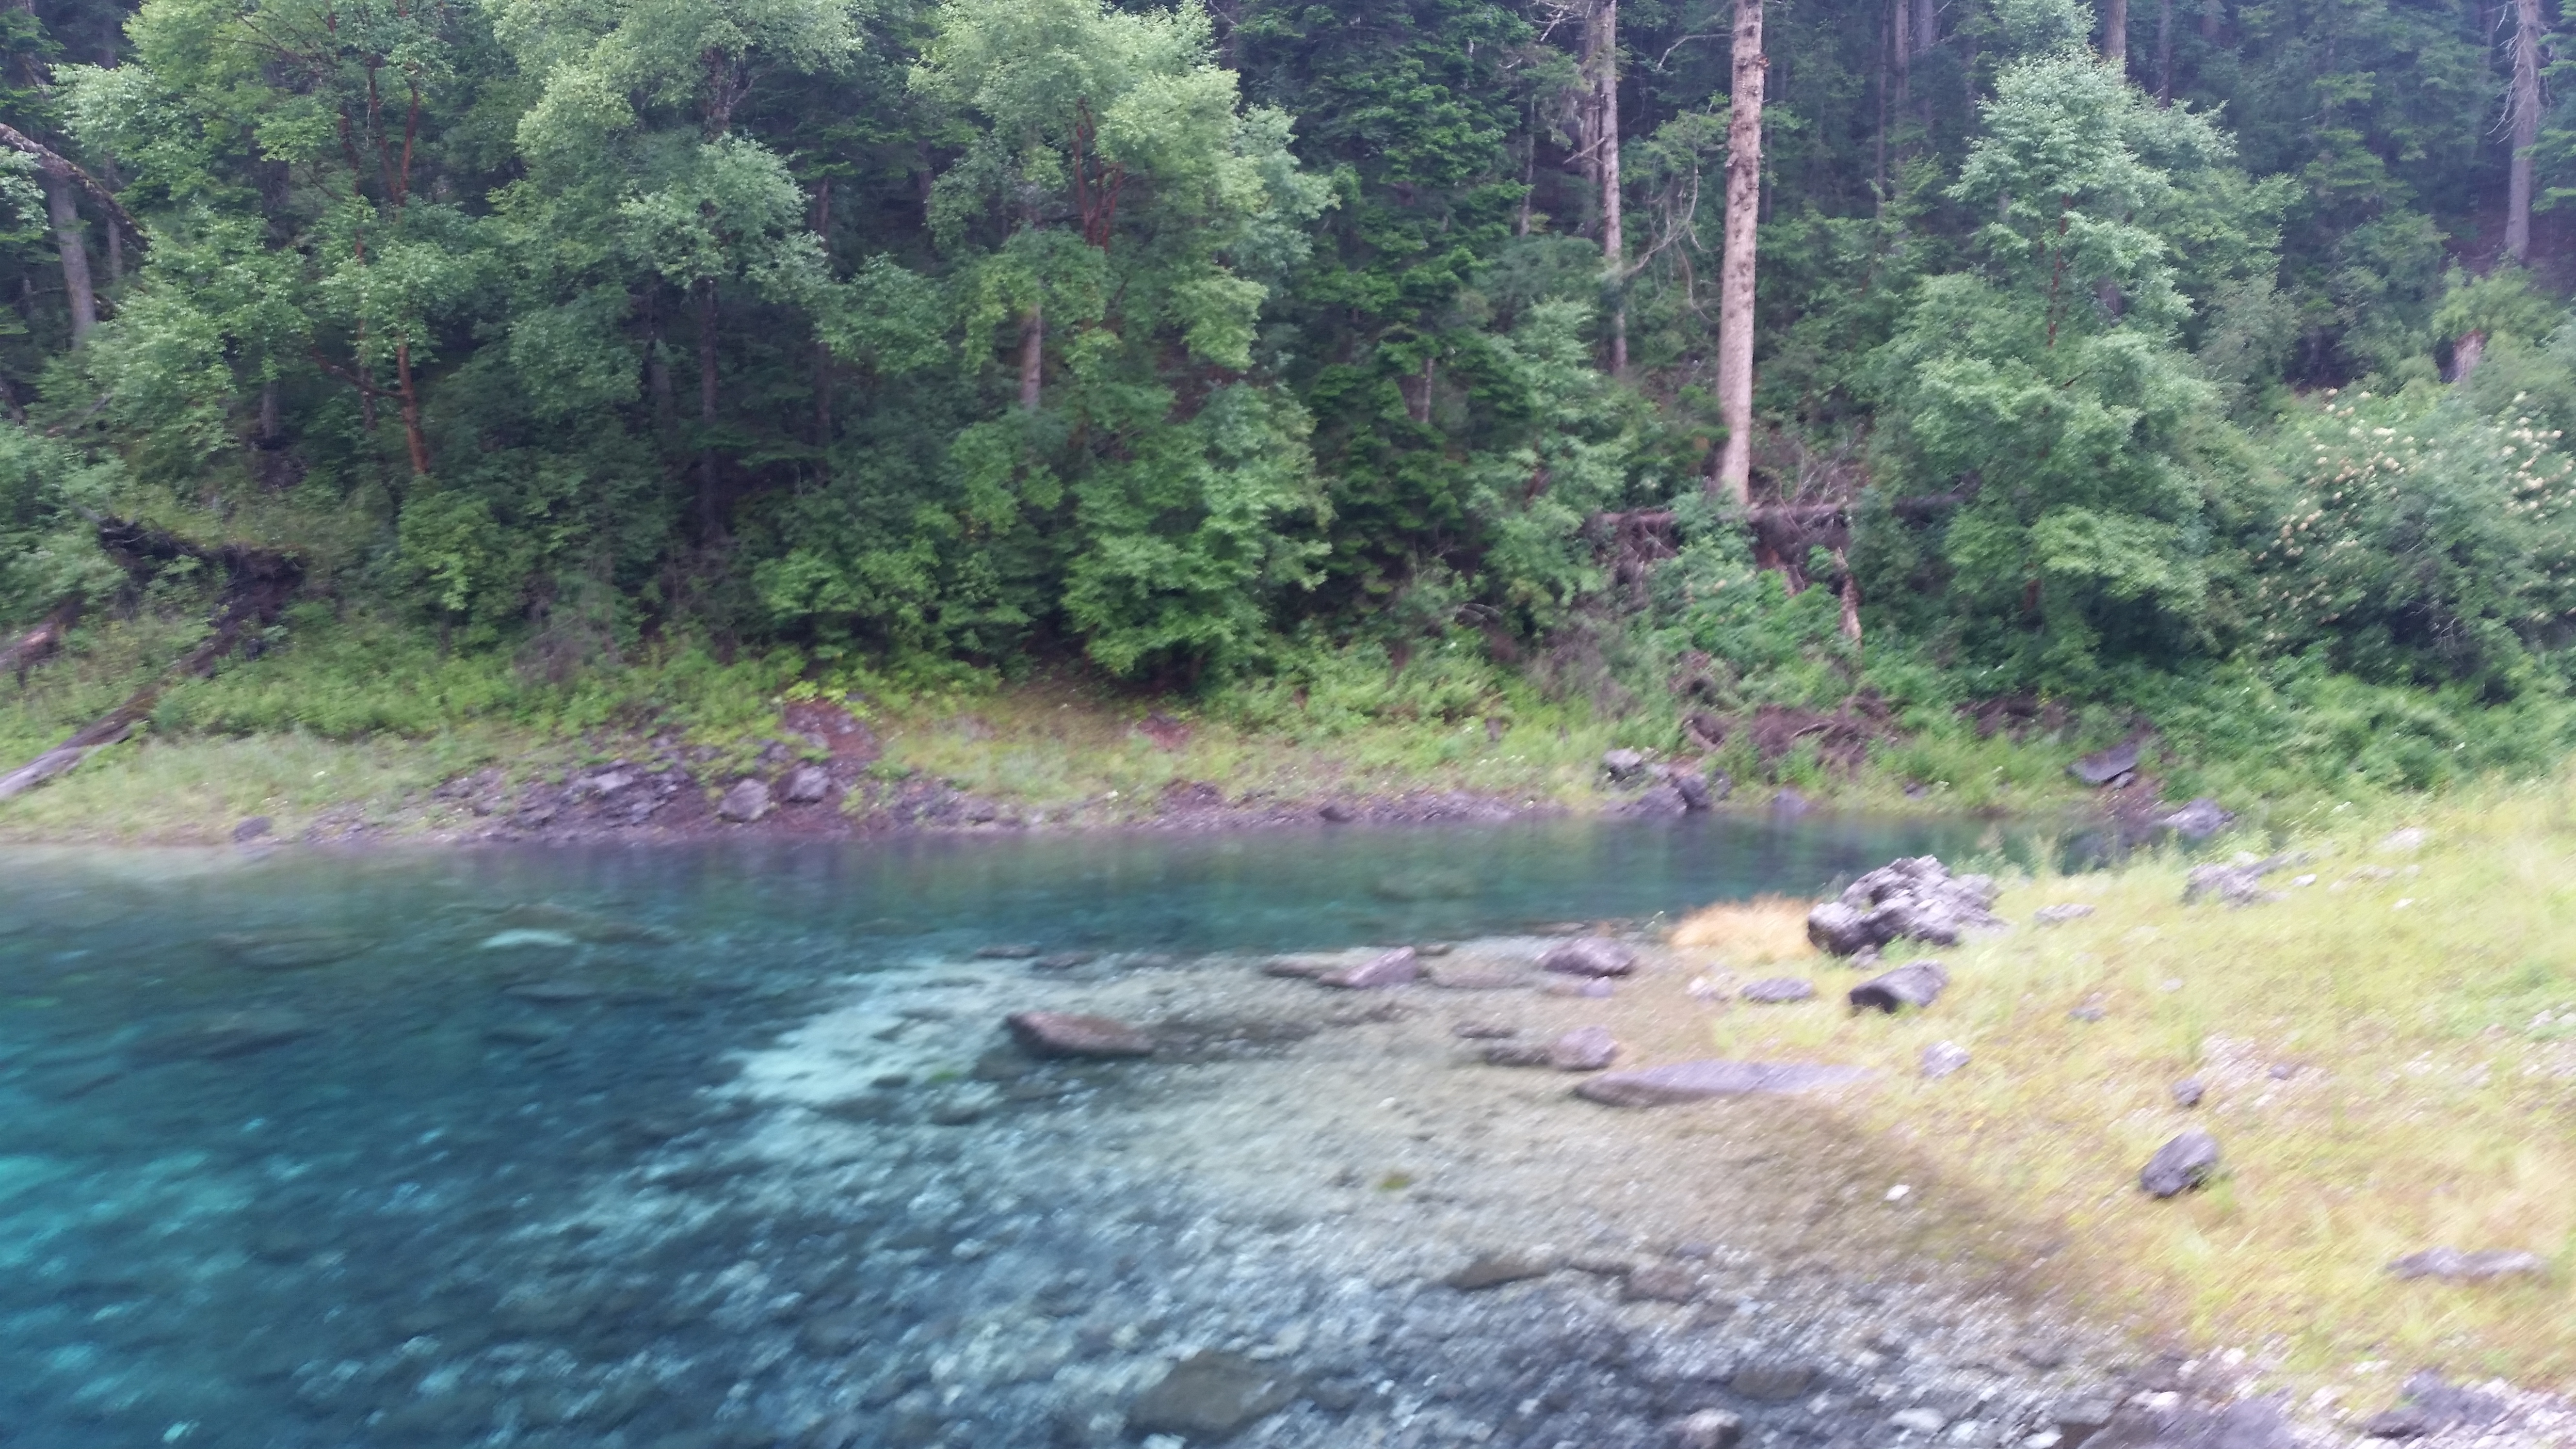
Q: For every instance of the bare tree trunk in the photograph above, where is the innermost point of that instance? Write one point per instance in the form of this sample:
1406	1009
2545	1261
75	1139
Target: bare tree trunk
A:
268	425
1602	47
823	354
2115	34
657	362
1734	478
2525	108
1900	19
2466	350
75	254
408	395
707	404
2213	13
1891	70
1032	358
115	235
2164	52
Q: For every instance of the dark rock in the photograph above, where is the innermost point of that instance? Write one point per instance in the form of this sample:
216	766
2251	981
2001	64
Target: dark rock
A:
1702	1080
1584	1049
2442	1405
2040	1353
1588	987
2060	915
231	1034
1007	951
1663	799
2081	1420
2180	1165
1692	788
1720	786
1064	960
1517	1054
1790	802
1707	1429
1778	991
1942	1058
1916	983
2404	1422
2453	1266
1211	1395
1659	1283
1065	1034
2199	820
1912	898
1590	956
2282	1071
1482	1030
1622	766
1471	977
1336	814
2188	1092
806	785
555	993
1773	1383
2087	1012
1492	1270
747	801
1393	968
252	829
2104	766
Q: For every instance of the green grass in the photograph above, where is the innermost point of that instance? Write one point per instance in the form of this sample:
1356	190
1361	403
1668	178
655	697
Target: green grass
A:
2429	1104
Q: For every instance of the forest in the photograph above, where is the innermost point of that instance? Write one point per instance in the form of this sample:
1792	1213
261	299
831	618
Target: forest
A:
2206	360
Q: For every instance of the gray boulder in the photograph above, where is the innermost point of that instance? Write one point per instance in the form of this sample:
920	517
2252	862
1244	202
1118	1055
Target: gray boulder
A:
2181	1165
2107	767
1942	1058
2199	820
1622	766
2452	1265
1914	898
1494	1269
2188	1092
1590	956
1069	1034
2060	915
747	801
1692	787
807	785
2237	885
1705	1080
1707	1429
1916	983
1395	968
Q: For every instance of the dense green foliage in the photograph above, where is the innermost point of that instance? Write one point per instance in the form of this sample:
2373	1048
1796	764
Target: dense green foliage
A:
1222	348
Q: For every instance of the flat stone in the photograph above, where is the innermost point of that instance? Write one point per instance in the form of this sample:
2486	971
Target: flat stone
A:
2181	1165
252	829
1778	991
2199	820
1659	1283
747	801
1916	984
2060	915
1588	987
1483	1030
554	992
1590	956
1007	951
2188	1092
1469	976
1210	1395
1584	1049
2453	1266
1942	1058
2104	766
1064	960
1705	1080
1920	1419
1393	968
231	1034
1517	1054
290	950
1068	1034
1622	765
2080	1420
1773	1383
1492	1270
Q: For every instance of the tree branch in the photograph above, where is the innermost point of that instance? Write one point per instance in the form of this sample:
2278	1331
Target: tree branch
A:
56	164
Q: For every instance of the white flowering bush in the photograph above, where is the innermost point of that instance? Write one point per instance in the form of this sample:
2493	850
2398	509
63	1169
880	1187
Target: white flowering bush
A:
2417	542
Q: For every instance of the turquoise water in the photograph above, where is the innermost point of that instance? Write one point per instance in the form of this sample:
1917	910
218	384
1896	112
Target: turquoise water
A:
429	1147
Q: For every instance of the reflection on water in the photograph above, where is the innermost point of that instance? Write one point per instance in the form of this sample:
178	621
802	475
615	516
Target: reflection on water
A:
460	1147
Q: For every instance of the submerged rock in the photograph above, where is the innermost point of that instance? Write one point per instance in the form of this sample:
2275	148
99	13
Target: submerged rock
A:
1067	1034
290	950
1492	1270
2181	1165
1913	898
231	1034
1394	968
1590	956
1916	984
1584	1049
1702	1080
1210	1395
2452	1265
1064	960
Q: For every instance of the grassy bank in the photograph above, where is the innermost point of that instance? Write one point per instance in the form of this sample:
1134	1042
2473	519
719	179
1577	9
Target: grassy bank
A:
2389	1052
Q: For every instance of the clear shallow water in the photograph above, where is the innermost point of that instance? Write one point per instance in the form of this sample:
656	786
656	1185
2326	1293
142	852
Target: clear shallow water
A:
496	1177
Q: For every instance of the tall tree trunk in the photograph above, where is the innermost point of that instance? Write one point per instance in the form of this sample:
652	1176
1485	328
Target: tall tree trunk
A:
115	235
1891	70
1601	56
2213	13
268	423
657	361
707	405
408	394
1735	273
2115	34
2164	52
823	354
2525	106
75	254
1900	19
1032	358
